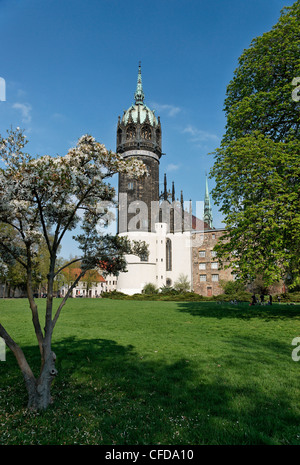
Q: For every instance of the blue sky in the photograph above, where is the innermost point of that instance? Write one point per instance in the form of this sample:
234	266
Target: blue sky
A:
70	68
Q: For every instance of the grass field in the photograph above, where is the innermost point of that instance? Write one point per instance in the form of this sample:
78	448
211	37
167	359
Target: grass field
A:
158	373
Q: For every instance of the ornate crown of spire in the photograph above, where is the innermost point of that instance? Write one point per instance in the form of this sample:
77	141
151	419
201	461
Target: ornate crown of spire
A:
139	94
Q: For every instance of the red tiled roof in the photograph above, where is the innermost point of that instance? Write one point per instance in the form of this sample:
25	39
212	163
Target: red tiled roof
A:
91	275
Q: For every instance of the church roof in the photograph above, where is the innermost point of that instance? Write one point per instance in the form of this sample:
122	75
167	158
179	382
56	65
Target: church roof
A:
92	275
139	112
199	225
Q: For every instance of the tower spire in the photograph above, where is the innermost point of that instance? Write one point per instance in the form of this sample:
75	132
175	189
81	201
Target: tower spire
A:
165	187
139	93
207	206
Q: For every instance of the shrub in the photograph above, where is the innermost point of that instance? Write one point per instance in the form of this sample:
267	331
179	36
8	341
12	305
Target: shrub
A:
182	284
166	290
233	287
288	297
113	295
238	296
150	289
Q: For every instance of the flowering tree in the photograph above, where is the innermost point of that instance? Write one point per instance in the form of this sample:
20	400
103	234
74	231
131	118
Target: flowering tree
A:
41	199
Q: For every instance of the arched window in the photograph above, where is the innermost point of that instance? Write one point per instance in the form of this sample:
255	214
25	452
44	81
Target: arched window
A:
168	255
119	136
130	132
146	132
144	257
158	136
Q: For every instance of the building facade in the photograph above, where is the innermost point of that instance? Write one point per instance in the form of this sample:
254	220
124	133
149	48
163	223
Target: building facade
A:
93	284
207	276
178	242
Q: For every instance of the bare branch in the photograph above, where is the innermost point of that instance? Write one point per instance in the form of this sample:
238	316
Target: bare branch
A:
68	264
19	354
66	297
15	256
40	208
33	306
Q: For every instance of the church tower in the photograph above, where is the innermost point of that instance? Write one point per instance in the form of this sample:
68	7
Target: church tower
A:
139	136
178	242
145	213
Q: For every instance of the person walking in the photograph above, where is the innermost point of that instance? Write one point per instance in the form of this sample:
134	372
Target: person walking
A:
253	300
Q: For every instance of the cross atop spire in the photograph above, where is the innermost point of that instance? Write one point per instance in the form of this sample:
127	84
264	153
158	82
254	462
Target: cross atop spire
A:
139	94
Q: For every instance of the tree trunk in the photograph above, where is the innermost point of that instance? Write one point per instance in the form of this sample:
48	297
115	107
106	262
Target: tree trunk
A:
39	395
38	389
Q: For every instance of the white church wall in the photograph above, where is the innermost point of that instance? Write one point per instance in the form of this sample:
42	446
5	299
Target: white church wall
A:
181	257
154	270
138	272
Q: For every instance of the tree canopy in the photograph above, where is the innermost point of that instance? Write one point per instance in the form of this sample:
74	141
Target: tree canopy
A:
40	200
259	97
256	167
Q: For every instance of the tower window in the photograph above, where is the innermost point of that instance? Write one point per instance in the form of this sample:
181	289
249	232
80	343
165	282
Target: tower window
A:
119	136
144	257
146	132
168	255
130	186
130	132
158	135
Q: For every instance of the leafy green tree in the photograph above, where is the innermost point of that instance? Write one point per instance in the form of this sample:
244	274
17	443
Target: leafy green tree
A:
15	279
259	97
15	276
256	168
232	287
182	284
150	289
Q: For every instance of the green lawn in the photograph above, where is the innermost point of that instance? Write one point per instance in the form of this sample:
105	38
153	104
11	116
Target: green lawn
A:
158	373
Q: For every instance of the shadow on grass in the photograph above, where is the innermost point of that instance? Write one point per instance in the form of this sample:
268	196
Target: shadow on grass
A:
107	393
240	310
